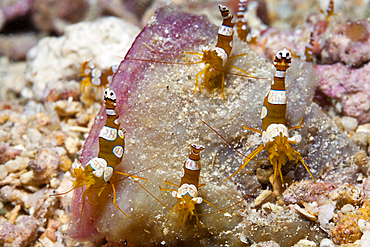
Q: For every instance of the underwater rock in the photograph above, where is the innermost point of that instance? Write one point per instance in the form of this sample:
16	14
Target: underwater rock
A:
273	222
11	10
349	86
154	101
54	16
308	191
347	43
19	235
7	153
16	46
347	225
11	78
272	39
323	193
45	165
54	59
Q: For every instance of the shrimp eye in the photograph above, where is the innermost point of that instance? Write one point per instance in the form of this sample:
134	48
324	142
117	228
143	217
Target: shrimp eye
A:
288	55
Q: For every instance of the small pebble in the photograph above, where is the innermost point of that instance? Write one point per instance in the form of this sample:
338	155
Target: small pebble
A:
262	197
326	243
45	165
27	177
364	128
305	243
18	164
347	208
326	213
348	123
72	145
362	160
360	139
66	108
302	211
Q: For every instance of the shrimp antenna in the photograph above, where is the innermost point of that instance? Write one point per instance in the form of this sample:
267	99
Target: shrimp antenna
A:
225	139
131	176
234	204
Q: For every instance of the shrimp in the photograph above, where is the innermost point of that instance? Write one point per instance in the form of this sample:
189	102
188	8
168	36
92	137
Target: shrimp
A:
216	58
187	193
95	77
95	177
275	137
329	12
241	23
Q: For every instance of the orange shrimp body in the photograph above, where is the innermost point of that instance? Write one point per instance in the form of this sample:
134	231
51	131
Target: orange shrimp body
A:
308	51
215	58
275	138
95	77
329	11
187	194
99	170
241	22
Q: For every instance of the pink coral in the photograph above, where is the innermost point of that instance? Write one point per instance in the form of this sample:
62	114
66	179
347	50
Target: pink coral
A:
350	86
308	191
348	43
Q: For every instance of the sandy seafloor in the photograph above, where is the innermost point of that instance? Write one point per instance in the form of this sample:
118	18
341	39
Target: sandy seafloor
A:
47	120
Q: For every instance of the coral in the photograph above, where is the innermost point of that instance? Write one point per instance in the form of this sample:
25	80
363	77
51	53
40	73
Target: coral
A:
16	46
56	58
308	191
45	165
54	15
21	234
347	229
153	100
348	86
347	43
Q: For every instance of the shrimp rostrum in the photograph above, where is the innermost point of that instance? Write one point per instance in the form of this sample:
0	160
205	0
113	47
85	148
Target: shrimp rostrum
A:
275	137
